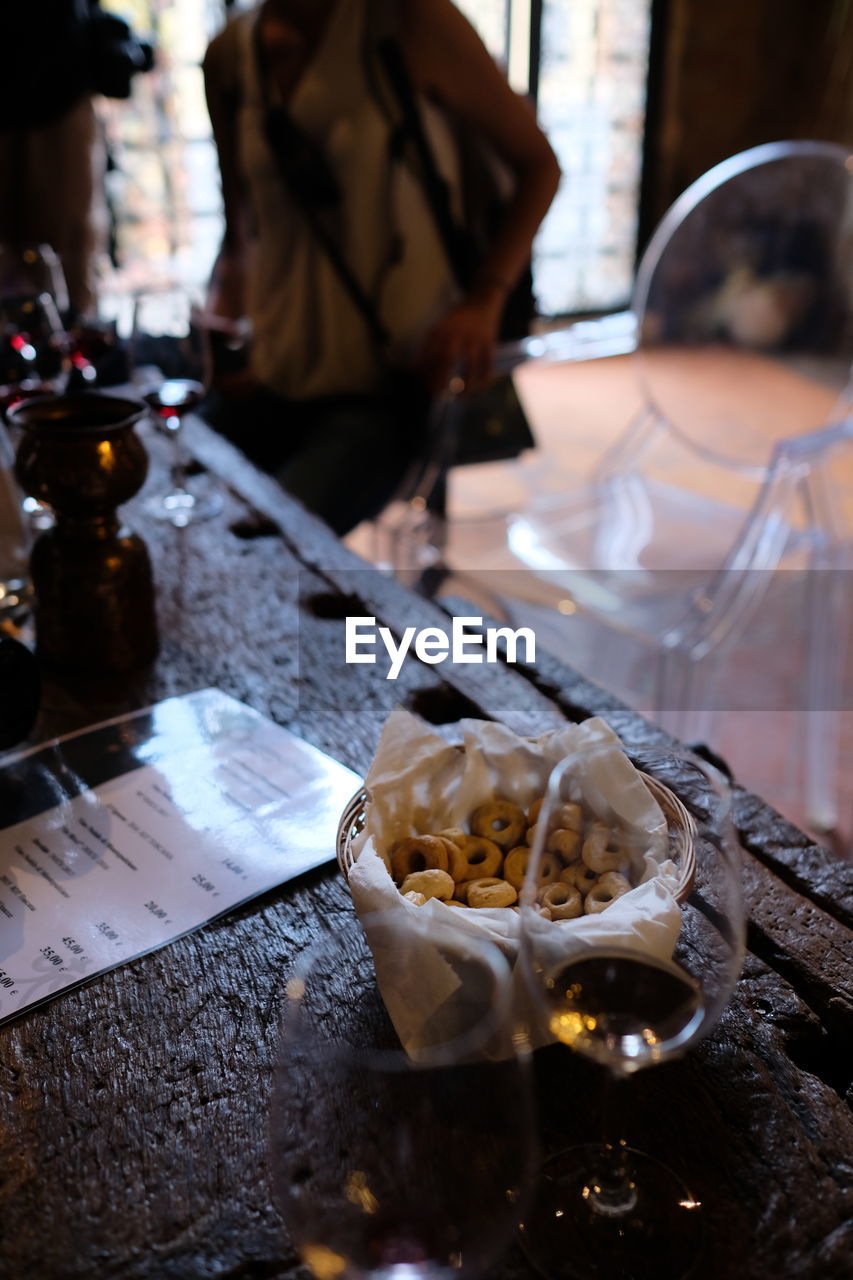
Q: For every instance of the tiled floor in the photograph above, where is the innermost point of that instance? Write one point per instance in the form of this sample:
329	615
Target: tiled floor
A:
577	410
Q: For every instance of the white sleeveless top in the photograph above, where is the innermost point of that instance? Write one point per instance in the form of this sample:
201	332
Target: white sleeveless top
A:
309	338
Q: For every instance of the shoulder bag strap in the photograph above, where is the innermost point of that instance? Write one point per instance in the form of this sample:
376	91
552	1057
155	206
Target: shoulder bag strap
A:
458	250
304	169
394	91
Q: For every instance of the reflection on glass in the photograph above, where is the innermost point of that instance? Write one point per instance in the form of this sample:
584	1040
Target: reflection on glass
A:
634	974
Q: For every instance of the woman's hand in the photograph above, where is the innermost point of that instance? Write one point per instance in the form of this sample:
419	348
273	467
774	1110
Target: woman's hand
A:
225	296
462	343
449	63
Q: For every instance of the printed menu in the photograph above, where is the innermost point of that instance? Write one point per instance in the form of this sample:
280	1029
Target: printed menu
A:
119	839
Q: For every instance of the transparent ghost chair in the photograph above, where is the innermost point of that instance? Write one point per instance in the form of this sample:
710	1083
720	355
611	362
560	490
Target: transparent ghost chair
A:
726	505
408	536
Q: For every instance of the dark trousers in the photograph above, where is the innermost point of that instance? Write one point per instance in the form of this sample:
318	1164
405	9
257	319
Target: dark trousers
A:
343	457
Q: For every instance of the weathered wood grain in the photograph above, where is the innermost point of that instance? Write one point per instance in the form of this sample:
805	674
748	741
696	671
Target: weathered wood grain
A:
134	1110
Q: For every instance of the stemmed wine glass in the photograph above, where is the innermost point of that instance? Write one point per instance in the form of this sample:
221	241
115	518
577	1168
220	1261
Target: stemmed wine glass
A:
16	589
163	319
35	360
27	271
636	978
35	357
391	1162
35	353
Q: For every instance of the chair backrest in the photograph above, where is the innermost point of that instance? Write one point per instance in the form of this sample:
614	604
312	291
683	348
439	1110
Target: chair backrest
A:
742	452
743	308
744	301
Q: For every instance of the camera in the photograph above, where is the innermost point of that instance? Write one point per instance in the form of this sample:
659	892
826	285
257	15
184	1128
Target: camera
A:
117	55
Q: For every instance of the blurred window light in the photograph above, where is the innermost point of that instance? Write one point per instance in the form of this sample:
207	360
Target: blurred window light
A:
591	88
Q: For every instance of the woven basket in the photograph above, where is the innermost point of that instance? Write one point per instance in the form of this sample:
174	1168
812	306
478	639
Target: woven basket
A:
683	852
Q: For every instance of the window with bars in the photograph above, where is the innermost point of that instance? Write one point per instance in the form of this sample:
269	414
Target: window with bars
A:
589	65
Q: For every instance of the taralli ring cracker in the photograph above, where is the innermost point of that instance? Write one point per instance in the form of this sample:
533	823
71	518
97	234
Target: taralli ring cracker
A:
432	884
549	868
419	853
580	875
564	842
570	817
563	901
474	858
515	865
491	892
610	887
500	821
600	851
454	834
534	810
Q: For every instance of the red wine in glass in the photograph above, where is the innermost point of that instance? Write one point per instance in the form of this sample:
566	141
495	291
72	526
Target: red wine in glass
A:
171	400
12	394
174	398
93	352
34	344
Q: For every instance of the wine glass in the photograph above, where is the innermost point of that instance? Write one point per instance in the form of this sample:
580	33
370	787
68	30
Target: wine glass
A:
388	1163
16	532
27	271
638	970
34	348
35	360
168	373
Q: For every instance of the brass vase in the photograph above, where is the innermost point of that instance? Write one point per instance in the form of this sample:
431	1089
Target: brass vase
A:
80	454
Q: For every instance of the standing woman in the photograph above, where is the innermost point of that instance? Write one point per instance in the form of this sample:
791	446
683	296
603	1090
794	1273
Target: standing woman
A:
333	247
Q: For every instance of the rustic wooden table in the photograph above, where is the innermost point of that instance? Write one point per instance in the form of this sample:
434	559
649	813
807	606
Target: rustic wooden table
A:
133	1110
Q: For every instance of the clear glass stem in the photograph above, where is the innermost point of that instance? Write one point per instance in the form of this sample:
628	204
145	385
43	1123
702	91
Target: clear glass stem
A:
612	1192
179	460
